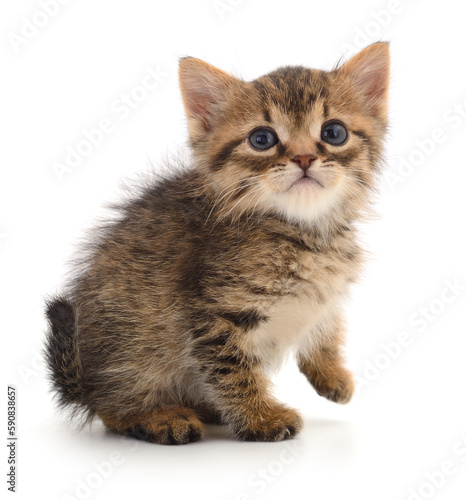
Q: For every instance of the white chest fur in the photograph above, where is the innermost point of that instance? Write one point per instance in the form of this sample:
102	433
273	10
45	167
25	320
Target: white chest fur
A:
289	323
302	318
290	326
296	321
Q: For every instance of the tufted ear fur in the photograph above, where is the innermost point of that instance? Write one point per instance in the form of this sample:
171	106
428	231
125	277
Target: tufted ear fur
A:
369	71
203	88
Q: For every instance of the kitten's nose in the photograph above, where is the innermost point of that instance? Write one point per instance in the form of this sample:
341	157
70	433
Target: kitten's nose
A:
304	161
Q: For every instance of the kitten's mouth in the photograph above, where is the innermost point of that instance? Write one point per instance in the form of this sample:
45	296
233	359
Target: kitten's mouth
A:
307	180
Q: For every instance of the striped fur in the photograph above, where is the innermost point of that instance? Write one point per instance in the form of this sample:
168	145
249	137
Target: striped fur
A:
210	277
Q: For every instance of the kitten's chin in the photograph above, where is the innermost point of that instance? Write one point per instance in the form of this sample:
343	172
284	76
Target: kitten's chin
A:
305	201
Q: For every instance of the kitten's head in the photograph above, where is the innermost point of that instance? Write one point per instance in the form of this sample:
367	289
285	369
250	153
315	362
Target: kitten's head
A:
301	143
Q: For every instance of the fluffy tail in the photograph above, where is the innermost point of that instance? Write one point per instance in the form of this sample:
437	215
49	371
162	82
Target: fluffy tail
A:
61	352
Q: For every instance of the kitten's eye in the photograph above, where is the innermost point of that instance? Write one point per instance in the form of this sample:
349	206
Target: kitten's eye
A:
334	133
263	138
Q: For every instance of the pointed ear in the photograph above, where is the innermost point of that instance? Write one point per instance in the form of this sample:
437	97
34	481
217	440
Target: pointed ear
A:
369	73
203	89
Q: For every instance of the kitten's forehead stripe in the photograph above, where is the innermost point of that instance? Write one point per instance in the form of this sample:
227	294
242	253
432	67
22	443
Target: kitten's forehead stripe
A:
262	92
266	113
325	110
323	92
294	90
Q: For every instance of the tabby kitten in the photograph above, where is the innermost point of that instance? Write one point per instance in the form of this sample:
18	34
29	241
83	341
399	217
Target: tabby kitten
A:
210	276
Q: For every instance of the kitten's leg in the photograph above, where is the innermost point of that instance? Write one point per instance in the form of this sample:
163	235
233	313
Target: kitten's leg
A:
245	404
240	391
165	425
323	364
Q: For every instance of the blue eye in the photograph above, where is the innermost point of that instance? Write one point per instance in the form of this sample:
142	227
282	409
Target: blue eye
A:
263	139
334	133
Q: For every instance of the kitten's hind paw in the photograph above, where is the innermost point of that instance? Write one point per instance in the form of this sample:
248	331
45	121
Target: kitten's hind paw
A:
169	425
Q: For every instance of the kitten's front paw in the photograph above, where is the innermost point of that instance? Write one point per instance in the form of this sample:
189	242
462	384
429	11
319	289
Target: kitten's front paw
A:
339	388
274	424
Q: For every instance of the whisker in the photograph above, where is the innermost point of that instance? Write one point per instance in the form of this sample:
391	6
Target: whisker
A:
223	200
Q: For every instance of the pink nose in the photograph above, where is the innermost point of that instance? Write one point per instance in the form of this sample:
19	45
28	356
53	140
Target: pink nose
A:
304	161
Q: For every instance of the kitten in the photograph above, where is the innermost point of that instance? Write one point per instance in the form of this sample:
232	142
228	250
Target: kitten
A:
211	276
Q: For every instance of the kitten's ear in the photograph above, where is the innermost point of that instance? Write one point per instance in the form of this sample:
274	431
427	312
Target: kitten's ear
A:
203	89
369	73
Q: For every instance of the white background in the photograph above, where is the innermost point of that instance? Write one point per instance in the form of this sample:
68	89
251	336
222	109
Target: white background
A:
408	419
